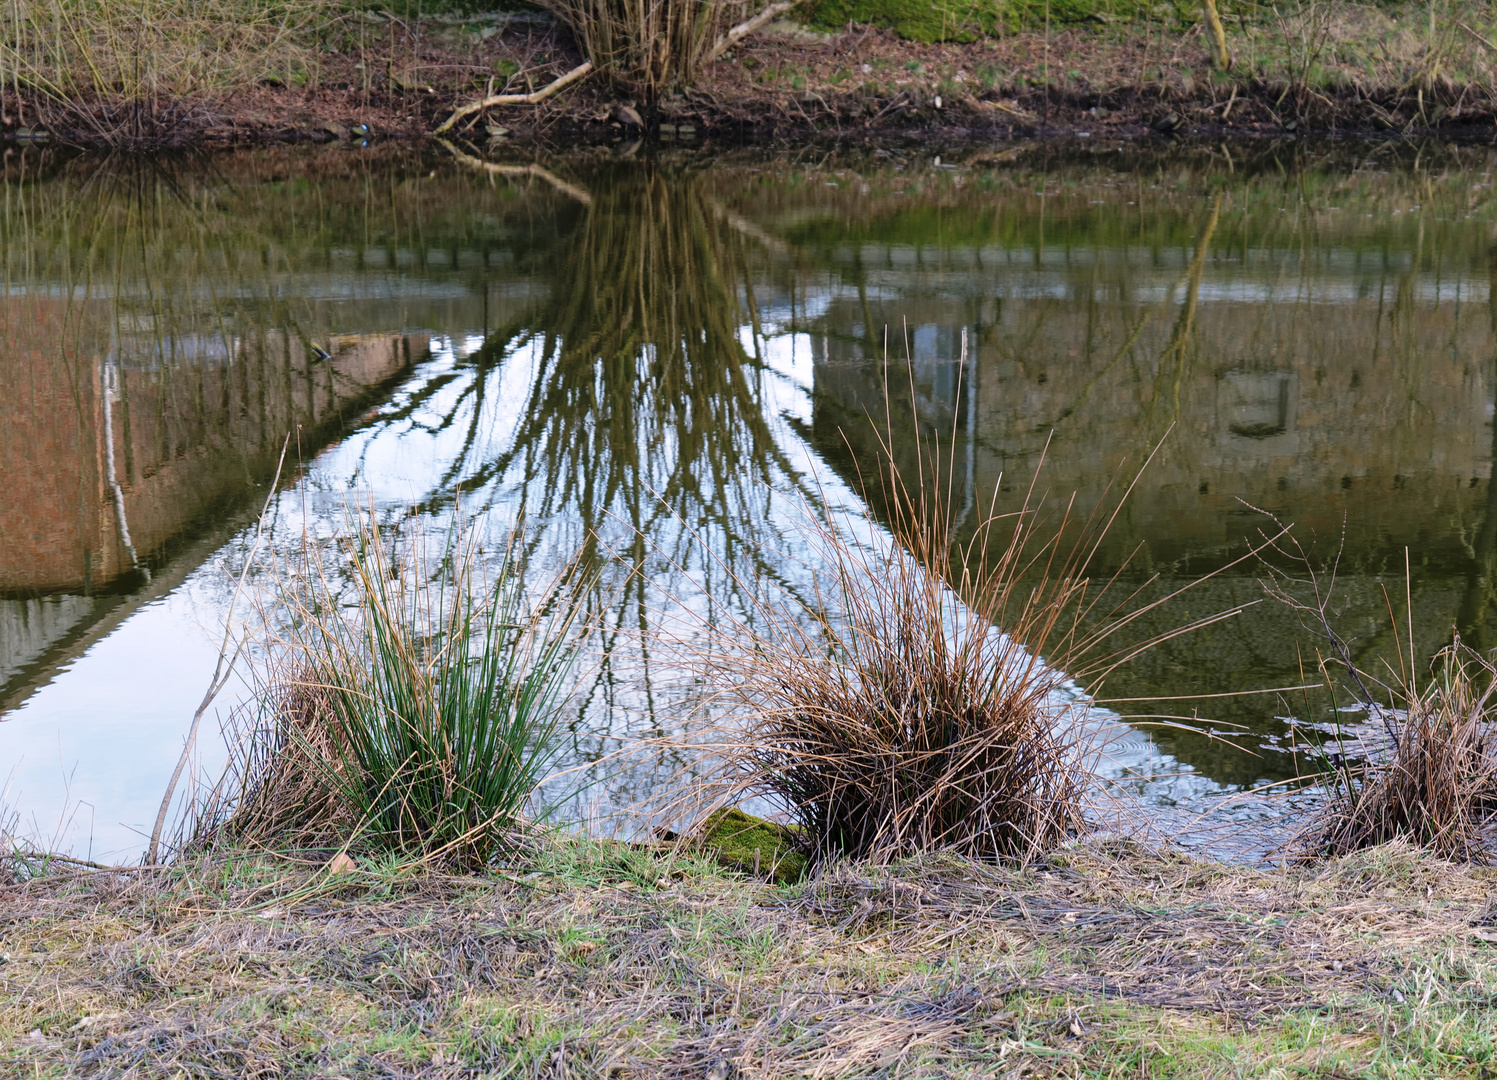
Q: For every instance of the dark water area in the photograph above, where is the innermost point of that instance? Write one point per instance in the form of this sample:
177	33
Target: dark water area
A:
661	361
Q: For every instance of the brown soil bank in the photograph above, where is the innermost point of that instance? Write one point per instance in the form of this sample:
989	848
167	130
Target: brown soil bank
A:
1330	69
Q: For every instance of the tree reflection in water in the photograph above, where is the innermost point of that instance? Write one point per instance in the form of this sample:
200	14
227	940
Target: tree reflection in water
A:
640	430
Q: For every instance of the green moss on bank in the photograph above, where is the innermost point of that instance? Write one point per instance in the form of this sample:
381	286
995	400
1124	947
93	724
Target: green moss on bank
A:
752	845
961	20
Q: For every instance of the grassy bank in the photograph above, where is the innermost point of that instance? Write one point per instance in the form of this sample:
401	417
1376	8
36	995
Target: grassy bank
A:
159	72
589	959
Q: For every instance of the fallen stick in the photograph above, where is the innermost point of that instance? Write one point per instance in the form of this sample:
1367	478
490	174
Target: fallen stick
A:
517	99
748	26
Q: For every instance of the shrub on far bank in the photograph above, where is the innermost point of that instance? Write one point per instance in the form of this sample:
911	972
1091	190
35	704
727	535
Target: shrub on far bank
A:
127	69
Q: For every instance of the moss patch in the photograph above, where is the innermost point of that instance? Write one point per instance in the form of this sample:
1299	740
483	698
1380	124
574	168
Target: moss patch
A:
751	844
961	20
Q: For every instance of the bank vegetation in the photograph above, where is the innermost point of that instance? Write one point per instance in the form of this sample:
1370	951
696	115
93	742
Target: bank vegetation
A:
149	73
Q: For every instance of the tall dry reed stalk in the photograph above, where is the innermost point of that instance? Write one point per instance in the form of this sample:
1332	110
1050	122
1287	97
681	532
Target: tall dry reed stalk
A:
408	703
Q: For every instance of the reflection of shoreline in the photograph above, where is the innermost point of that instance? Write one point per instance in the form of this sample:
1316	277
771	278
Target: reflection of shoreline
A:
1369	417
87	505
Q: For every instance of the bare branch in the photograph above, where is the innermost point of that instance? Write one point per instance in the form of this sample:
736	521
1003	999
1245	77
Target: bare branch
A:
533	98
747	27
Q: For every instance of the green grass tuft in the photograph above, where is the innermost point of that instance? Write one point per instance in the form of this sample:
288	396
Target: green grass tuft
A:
412	709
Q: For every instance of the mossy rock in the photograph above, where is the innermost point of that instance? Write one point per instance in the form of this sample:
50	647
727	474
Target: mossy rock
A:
743	842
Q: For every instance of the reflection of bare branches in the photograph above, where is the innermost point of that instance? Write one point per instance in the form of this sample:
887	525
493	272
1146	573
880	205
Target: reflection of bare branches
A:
643	388
634	417
540	172
1172	362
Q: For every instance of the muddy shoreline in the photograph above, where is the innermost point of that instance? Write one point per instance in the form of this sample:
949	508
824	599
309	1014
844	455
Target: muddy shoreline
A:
789	85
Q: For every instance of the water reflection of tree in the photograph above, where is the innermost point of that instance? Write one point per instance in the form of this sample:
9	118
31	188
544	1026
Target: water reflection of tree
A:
1478	611
646	433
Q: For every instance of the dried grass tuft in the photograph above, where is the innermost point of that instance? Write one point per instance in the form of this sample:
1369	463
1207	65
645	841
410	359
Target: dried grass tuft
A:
919	699
1434	781
1423	770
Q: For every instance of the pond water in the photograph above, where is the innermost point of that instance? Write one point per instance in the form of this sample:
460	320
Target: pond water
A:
665	359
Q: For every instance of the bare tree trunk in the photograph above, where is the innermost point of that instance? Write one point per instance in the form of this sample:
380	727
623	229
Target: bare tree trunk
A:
1221	59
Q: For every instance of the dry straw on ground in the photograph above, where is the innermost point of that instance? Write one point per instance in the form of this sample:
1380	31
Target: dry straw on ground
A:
596	960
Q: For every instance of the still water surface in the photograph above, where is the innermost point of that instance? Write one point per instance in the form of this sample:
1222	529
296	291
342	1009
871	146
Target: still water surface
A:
663	360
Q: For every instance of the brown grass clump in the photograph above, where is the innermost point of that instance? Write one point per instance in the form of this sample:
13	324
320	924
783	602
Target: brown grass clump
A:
918	699
1423	769
1434	780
